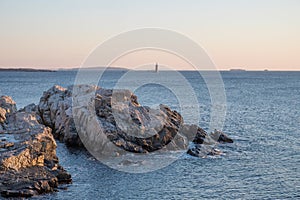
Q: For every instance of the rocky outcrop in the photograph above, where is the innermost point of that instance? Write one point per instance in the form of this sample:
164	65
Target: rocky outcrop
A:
7	106
28	161
108	122
112	121
55	110
204	144
126	123
221	137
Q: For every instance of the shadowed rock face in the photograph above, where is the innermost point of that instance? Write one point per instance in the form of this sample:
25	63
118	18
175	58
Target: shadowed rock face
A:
28	161
110	120
221	137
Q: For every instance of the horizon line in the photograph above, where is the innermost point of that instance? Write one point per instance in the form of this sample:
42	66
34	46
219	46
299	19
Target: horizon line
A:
124	68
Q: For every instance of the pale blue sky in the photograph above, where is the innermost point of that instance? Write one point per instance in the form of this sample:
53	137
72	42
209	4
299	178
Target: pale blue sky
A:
254	34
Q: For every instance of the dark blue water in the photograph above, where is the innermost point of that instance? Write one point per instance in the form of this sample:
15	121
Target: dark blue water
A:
263	117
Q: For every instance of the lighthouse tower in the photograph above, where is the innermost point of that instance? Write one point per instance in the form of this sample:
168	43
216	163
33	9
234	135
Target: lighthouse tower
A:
156	67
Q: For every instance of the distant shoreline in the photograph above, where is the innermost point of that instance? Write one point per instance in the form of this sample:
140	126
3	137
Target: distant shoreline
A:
126	69
25	70
237	70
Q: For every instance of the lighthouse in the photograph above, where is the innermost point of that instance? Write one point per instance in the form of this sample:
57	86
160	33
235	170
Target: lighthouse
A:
156	67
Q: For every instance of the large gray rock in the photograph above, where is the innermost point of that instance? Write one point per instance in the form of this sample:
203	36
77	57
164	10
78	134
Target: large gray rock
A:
55	111
28	155
113	122
126	123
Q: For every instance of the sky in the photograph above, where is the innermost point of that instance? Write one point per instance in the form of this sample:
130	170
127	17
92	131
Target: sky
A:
253	34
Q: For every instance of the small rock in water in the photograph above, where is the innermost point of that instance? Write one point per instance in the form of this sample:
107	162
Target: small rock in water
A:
131	162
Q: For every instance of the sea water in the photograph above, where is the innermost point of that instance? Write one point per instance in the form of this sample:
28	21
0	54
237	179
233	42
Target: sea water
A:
262	116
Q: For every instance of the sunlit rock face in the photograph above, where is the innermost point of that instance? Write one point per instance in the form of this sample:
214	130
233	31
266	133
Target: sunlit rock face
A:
7	105
27	154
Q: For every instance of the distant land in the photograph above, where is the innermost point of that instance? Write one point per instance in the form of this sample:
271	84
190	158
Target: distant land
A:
5	69
61	69
237	70
94	68
25	70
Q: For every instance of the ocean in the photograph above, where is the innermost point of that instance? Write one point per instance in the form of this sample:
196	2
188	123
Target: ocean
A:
262	116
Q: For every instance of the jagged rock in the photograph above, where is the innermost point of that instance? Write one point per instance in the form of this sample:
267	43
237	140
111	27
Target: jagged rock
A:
123	120
205	144
2	115
7	106
28	161
55	111
112	121
31	108
221	137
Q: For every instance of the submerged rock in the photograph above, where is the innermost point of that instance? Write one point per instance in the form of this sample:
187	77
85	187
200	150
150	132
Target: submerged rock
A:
28	161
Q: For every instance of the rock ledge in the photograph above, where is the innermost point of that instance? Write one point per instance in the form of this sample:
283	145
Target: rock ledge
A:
28	162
